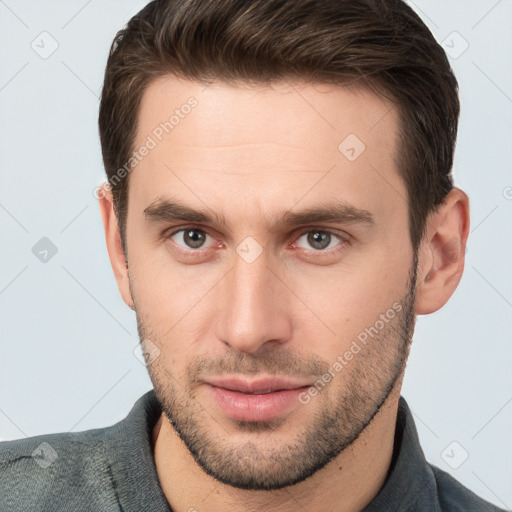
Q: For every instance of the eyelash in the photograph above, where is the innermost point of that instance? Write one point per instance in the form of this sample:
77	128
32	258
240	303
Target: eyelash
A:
343	241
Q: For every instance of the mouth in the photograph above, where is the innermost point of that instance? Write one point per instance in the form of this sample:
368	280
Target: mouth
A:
261	399
260	386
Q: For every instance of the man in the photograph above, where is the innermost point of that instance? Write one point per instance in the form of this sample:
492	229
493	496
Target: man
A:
279	208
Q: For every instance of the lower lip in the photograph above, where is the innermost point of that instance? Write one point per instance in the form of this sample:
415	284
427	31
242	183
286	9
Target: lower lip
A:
243	406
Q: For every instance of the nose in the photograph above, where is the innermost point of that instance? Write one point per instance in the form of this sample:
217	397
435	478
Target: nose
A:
254	307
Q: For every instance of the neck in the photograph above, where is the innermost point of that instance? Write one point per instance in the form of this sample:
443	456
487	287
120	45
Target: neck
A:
347	484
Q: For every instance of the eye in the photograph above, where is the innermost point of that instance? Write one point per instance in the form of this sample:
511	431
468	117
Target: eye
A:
316	241
189	238
319	240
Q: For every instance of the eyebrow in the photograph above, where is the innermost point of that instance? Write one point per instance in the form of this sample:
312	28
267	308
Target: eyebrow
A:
164	210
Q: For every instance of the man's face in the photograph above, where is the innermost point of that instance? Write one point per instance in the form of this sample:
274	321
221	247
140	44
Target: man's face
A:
279	331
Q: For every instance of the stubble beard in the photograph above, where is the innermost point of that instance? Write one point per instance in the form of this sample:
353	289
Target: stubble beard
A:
342	413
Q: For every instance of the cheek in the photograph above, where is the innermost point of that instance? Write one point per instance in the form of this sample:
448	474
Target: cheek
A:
337	304
174	301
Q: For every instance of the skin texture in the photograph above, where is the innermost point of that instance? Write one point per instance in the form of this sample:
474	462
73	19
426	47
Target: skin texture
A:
283	305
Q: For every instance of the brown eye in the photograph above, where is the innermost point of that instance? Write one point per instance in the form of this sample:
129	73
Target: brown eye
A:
190	238
318	240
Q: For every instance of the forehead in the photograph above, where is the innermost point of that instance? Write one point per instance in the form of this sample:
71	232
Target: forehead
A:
268	144
240	109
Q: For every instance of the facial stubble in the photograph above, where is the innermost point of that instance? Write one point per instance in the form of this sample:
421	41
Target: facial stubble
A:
344	413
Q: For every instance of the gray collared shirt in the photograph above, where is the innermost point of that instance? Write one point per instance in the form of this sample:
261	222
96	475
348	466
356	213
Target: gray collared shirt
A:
112	469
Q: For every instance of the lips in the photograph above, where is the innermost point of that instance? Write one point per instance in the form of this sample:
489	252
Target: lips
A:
261	399
258	386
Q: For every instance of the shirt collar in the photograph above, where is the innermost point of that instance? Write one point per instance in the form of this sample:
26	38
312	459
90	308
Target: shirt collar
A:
129	450
410	483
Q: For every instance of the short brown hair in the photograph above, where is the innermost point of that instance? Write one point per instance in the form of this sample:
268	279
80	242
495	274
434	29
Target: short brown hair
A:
381	44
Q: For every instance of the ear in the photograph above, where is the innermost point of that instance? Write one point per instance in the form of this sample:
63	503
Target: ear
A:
442	253
113	239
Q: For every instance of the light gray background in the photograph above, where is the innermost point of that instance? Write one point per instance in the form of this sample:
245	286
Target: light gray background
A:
67	356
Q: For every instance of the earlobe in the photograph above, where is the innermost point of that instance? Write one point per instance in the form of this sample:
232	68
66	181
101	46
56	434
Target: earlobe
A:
114	246
442	253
